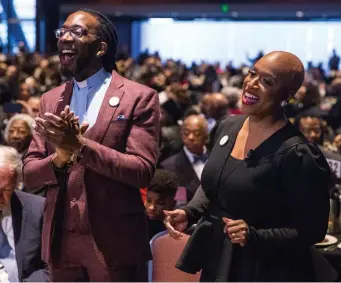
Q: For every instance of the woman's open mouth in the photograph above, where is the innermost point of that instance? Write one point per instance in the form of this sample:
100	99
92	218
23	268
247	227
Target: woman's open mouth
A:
249	98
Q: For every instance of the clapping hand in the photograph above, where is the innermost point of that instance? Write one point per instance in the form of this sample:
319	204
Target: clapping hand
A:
63	133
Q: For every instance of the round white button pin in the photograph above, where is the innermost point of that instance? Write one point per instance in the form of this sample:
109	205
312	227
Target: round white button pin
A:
223	140
114	101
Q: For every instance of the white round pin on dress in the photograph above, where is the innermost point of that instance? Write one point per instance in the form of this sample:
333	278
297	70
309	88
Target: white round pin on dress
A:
114	101
223	140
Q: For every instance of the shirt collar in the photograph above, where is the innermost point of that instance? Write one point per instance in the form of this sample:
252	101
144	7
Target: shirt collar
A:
190	155
95	79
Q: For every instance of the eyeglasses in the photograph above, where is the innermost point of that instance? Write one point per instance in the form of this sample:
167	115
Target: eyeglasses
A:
76	32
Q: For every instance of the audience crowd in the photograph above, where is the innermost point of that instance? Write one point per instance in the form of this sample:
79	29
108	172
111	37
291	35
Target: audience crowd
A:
192	98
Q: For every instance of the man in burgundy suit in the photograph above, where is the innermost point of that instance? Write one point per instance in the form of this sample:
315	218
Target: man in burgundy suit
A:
94	225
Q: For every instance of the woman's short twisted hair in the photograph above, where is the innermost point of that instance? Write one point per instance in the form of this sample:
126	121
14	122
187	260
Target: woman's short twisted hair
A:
109	35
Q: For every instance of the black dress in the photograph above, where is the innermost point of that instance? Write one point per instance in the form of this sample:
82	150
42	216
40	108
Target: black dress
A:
280	190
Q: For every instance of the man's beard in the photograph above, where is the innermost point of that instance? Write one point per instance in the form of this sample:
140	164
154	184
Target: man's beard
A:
80	65
67	72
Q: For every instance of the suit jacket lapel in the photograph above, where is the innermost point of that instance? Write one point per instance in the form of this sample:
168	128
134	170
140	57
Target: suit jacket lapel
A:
18	222
220	153
107	111
188	170
65	98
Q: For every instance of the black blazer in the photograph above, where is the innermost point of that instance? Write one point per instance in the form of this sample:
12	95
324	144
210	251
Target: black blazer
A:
27	216
182	168
289	180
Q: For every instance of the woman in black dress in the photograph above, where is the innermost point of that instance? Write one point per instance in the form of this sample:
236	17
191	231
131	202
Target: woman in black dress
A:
263	201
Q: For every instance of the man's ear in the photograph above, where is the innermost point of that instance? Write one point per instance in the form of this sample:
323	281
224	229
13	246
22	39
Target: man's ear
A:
103	48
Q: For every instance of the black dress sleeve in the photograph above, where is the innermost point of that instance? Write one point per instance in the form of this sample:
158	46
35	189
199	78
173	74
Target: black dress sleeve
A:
197	207
305	177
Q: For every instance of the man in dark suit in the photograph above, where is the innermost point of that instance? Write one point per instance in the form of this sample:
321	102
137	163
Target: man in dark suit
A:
20	225
94	224
190	161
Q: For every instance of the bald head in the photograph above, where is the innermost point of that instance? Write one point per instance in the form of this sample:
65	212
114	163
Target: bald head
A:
218	106
219	98
197	120
194	133
287	67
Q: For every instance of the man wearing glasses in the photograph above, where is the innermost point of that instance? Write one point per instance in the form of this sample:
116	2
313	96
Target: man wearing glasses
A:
94	225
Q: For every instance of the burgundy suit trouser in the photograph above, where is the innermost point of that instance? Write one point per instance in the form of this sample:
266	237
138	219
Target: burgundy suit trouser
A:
79	262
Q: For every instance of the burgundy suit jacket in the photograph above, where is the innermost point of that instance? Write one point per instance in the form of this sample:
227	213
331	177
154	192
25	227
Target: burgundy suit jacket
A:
119	158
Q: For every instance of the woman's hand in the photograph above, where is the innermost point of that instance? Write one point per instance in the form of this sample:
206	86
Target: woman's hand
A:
176	221
236	230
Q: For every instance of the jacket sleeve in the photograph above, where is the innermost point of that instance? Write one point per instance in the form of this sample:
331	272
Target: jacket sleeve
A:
197	207
136	166
37	169
305	178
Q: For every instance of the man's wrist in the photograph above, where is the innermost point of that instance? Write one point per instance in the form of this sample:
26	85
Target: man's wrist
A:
80	149
58	161
78	146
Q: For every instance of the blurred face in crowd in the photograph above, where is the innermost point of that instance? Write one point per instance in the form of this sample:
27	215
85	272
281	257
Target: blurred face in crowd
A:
337	142
205	104
194	133
311	128
274	78
179	93
34	103
19	135
218	106
165	119
7	185
155	204
31	82
80	48
11	72
24	93
44	63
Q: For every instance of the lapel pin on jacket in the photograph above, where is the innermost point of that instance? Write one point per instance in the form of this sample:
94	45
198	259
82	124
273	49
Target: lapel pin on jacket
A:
223	140
114	101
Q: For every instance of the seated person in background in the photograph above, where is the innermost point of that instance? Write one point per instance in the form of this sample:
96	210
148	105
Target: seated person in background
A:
21	217
34	103
311	127
160	196
213	107
190	161
337	142
18	133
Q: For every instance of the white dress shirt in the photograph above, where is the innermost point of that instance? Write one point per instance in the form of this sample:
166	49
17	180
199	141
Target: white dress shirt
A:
10	262
197	166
